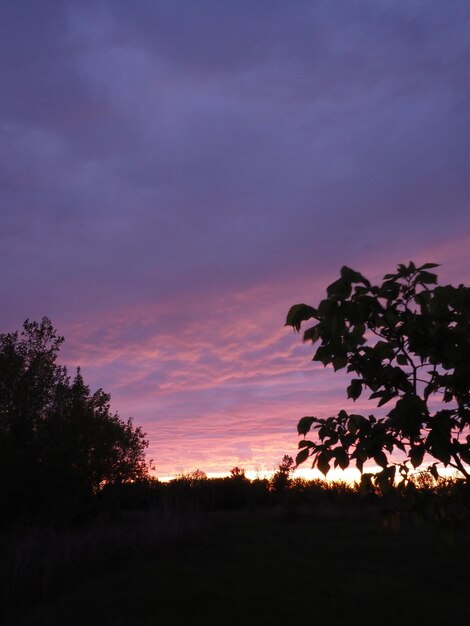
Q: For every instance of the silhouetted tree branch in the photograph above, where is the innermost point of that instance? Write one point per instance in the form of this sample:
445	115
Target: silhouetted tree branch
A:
407	341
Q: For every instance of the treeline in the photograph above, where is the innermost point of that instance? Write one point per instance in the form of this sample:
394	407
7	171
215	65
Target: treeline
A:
418	499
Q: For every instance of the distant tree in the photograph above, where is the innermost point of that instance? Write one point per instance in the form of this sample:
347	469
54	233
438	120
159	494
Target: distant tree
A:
237	473
407	341
281	478
196	477
59	444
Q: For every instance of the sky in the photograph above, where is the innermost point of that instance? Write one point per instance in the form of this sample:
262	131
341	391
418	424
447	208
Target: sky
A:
175	174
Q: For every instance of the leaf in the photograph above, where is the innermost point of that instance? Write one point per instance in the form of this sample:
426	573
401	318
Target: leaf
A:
352	427
402	359
339	362
340	289
416	455
299	313
427	277
386	397
353	277
302	456
358	331
384	350
355	388
323	354
326	307
422	298
354	423
304	425
312	334
448	395
381	459
428	266
389	290
341	458
438	440
323	463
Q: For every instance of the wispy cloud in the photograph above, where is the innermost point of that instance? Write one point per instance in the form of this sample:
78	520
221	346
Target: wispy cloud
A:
225	383
175	175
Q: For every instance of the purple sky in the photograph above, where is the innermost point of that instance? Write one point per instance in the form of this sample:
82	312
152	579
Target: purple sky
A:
175	174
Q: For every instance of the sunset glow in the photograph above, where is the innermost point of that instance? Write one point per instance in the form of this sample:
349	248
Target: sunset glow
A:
171	185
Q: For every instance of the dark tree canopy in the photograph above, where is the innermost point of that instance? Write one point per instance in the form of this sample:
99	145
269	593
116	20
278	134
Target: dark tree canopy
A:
406	342
59	443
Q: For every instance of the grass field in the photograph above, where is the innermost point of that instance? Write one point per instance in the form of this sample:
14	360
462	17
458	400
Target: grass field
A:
258	568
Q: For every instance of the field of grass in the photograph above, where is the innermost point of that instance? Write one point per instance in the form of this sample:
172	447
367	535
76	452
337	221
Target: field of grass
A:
259	568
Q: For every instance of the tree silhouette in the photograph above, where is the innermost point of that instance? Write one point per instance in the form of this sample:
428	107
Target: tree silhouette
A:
281	478
59	444
407	341
238	473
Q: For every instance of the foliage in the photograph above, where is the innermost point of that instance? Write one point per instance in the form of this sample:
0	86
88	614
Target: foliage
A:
59	443
407	342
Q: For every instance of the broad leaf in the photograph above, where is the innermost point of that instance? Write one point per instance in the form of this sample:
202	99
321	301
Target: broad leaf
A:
299	313
381	459
304	425
353	277
416	455
427	277
355	388
341	458
323	463
428	266
340	289
339	362
402	359
312	334
302	456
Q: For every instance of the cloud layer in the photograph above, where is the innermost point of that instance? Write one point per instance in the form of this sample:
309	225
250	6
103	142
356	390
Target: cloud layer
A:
175	175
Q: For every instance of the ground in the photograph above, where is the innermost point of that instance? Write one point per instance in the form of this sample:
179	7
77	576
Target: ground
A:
243	569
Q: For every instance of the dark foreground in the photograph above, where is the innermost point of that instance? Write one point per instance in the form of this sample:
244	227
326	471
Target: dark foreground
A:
260	568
